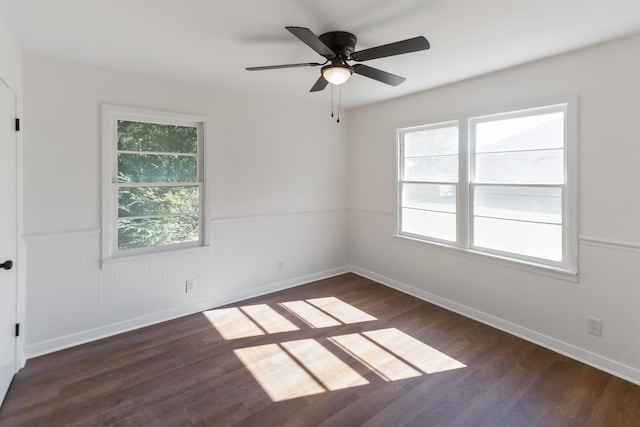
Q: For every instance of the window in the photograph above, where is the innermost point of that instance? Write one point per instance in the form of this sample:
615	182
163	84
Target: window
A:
153	181
500	184
429	182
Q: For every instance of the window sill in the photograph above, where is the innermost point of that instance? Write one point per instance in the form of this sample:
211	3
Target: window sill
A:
153	256
545	270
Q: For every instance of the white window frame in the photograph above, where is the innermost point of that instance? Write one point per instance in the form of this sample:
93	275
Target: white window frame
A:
111	114
402	181
568	267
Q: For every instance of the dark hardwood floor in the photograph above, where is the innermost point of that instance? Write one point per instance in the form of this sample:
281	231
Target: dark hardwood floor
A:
339	352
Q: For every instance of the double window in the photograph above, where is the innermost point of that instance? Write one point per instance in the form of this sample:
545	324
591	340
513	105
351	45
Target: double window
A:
153	181
500	184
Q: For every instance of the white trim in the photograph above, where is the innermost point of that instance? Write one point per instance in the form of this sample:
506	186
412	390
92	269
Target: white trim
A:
605	364
169	215
263	216
155	116
610	244
285	284
72	340
258	217
60	235
157	184
372	212
17	254
107	162
158	153
463	189
504	261
144	257
401	181
583	240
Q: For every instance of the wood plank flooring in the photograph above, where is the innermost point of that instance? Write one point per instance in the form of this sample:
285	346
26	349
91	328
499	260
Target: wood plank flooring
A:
344	351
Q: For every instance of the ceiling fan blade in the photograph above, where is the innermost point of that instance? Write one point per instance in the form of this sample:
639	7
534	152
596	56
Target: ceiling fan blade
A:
276	67
320	84
379	75
311	40
398	48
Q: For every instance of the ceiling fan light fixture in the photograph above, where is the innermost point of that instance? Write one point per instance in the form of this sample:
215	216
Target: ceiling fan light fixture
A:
336	74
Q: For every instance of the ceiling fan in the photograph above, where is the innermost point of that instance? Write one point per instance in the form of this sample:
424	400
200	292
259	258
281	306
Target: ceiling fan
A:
338	47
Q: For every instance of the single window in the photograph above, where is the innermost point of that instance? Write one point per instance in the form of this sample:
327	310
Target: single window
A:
153	181
519	180
509	194
428	181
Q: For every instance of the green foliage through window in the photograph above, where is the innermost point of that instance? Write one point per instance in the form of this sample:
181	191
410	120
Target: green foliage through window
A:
144	233
158	193
139	136
157	168
146	201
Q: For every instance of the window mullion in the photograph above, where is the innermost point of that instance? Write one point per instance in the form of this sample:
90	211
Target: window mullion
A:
431	182
158	153
463	211
400	178
157	216
157	184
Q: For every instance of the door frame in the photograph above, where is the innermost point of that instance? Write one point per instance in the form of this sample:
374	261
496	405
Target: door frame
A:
20	246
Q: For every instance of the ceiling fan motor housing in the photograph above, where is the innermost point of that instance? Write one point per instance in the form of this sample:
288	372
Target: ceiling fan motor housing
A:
341	43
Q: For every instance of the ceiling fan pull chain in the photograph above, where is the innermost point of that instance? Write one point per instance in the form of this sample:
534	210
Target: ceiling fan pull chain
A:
331	100
339	102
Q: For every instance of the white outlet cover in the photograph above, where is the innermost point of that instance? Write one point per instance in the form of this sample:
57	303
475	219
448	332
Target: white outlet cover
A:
594	326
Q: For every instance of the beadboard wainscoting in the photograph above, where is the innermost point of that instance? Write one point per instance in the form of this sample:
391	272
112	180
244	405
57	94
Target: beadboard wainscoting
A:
543	309
72	298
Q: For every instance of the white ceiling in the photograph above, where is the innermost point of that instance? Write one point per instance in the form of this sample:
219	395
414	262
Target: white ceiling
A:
211	41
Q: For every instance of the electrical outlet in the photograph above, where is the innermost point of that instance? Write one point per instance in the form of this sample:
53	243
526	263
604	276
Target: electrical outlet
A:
280	266
190	285
594	326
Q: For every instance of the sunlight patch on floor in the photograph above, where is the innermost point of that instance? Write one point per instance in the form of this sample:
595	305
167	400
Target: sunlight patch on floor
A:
232	323
424	357
310	314
279	375
384	364
269	319
332	372
346	313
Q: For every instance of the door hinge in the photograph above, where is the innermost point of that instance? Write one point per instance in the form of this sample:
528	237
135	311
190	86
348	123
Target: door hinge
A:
17	125
17	329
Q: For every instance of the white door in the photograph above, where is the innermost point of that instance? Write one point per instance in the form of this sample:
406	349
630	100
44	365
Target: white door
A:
8	237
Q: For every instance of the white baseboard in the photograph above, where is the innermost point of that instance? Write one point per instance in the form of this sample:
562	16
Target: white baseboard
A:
72	340
592	359
286	284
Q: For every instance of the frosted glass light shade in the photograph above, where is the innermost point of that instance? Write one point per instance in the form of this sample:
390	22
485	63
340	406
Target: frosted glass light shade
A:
336	75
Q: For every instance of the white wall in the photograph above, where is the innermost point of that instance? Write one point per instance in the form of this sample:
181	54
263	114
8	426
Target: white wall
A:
10	60
606	79
275	173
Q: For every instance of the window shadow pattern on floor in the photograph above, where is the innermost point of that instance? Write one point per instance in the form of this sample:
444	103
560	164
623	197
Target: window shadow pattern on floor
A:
288	369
